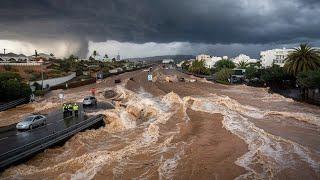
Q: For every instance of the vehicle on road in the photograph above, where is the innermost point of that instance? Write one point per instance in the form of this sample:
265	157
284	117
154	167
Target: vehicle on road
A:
117	81
31	122
182	79
89	101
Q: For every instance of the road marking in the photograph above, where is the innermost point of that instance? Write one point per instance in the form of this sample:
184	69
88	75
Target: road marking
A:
3	138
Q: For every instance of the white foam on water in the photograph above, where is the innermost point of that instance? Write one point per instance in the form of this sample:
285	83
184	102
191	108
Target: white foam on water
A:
89	163
268	154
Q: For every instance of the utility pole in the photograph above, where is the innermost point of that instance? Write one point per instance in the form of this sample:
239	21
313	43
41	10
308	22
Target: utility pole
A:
4	52
41	61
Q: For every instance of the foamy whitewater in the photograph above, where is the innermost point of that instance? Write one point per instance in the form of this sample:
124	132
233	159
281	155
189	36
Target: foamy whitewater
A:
268	154
133	129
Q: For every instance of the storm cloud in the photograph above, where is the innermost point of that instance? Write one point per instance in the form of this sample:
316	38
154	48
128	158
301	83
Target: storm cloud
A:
246	23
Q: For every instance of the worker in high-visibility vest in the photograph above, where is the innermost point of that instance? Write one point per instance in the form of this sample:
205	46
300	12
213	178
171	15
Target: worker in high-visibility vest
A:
64	109
70	109
75	109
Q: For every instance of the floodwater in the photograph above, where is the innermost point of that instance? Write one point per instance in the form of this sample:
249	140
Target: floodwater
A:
188	130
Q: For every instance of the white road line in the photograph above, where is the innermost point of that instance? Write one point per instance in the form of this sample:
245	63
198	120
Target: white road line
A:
3	138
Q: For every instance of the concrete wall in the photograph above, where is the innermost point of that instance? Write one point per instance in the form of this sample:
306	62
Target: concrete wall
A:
56	81
23	66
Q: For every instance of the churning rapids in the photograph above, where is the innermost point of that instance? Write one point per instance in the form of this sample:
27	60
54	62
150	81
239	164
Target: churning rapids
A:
245	133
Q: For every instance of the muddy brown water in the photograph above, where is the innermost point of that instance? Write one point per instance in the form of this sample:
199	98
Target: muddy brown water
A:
184	130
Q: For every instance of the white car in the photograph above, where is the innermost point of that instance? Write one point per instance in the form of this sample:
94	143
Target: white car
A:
90	100
31	122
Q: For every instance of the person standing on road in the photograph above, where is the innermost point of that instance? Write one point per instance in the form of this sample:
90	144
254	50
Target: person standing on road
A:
93	91
75	109
70	109
64	109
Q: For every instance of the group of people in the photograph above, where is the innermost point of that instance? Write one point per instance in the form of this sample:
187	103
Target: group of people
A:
70	109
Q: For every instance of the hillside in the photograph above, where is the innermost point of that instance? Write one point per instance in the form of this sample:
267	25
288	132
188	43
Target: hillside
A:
177	58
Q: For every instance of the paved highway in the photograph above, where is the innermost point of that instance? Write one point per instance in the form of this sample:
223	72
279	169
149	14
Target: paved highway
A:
12	138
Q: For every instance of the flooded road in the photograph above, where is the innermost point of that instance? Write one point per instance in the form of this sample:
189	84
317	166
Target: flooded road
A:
187	130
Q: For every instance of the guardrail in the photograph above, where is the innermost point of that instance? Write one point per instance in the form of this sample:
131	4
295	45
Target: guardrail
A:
13	104
209	78
22	152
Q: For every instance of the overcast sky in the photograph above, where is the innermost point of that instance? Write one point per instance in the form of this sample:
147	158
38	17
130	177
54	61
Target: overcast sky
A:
138	28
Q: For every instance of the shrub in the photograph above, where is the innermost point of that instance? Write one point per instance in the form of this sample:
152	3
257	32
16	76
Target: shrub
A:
12	87
224	64
275	75
309	79
39	92
223	75
252	72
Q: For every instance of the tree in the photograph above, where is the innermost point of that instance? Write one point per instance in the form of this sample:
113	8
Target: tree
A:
275	75
52	55
95	53
36	53
242	64
252	72
198	67
224	64
106	56
185	65
310	79
302	59
11	87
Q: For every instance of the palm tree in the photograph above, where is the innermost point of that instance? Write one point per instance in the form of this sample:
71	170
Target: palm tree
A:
242	64
95	53
106	56
302	59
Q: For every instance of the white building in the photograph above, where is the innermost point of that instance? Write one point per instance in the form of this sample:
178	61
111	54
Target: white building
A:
179	65
210	61
167	61
244	58
203	57
213	61
276	56
13	57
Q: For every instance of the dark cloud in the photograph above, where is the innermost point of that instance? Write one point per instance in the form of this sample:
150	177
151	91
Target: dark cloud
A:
195	21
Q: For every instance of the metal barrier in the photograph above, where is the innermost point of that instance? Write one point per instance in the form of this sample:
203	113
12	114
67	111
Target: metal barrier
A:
19	153
13	104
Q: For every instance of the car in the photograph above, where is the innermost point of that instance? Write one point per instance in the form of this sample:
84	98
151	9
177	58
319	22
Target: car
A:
31	122
90	100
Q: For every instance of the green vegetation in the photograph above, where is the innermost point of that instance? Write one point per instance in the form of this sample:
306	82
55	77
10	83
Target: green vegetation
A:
95	53
242	64
275	75
223	75
310	79
185	65
12	87
198	67
252	72
224	64
302	59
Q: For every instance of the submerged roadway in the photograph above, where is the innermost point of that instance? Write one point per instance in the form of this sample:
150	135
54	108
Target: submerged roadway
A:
11	138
